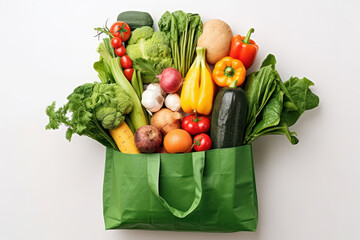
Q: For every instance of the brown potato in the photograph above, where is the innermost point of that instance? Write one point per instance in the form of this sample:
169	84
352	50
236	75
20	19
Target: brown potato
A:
216	38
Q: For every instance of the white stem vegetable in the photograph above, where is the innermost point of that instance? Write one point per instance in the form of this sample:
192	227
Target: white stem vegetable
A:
172	102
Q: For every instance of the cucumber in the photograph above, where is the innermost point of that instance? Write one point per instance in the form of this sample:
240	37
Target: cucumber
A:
228	118
136	19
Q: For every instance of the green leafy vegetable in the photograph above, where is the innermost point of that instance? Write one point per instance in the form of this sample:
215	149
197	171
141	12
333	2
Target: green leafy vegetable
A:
274	105
303	98
104	72
259	87
110	104
92	107
183	30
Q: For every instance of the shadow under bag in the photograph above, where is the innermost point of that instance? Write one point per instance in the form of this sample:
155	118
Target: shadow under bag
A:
212	191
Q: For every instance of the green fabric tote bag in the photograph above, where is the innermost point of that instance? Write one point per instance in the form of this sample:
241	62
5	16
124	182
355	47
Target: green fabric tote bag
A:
212	191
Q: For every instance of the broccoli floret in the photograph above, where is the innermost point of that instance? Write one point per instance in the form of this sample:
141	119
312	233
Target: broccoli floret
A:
164	63
134	51
154	48
145	32
110	104
160	37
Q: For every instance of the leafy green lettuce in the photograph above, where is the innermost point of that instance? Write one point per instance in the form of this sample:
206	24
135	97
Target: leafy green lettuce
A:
91	109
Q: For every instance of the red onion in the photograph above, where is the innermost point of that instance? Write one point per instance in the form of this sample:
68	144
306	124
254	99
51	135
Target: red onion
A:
170	80
148	139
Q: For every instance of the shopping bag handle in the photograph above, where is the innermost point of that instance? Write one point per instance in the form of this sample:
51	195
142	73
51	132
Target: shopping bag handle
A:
198	162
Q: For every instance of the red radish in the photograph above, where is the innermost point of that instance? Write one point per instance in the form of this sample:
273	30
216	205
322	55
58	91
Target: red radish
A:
170	80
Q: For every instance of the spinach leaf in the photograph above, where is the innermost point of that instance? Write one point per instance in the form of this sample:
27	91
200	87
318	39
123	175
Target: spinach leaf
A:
281	129
259	87
165	22
303	98
269	60
181	20
274	106
271	113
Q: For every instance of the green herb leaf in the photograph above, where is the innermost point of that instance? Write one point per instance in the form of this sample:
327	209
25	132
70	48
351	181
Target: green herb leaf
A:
148	70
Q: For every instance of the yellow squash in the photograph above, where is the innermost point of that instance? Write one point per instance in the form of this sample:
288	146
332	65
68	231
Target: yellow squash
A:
124	138
197	93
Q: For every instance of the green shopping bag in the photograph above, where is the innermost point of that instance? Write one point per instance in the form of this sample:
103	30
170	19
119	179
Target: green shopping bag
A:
212	191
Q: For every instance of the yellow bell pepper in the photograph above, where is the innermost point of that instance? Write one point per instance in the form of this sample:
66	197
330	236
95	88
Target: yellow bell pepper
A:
197	92
227	70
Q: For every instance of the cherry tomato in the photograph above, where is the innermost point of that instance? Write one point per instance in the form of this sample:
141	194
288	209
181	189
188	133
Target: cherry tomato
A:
126	61
120	30
202	142
128	72
121	51
194	124
116	42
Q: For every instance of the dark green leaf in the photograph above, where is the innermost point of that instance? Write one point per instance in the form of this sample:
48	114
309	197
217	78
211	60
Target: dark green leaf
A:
303	98
194	20
181	20
174	32
271	113
165	22
269	60
259	87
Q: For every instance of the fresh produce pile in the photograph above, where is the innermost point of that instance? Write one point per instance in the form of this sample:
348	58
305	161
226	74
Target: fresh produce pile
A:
157	92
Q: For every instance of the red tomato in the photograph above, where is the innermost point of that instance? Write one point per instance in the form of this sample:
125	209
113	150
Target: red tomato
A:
194	124
128	72
126	61
121	51
121	30
116	42
202	142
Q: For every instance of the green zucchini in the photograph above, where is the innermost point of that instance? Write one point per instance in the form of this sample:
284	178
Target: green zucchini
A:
228	118
136	19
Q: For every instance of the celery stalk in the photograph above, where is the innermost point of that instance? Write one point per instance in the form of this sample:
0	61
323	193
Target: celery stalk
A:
137	115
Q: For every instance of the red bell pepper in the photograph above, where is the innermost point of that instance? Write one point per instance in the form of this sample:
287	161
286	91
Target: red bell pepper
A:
244	49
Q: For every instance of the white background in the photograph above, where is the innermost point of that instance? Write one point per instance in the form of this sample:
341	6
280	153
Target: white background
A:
52	189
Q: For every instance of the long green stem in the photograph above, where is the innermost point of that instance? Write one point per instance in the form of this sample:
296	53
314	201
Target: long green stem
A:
137	114
189	51
135	83
247	38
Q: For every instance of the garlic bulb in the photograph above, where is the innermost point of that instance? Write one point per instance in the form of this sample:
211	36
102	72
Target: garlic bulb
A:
156	87
152	100
172	102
